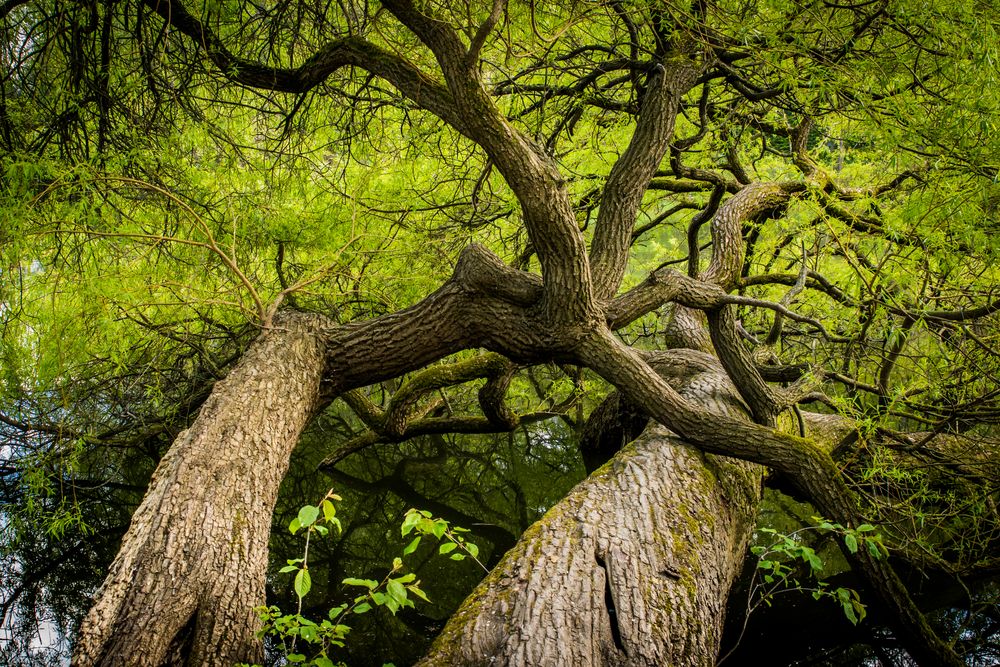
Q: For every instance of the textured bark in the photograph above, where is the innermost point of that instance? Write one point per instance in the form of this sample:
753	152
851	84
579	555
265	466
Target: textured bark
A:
179	562
633	567
191	567
808	467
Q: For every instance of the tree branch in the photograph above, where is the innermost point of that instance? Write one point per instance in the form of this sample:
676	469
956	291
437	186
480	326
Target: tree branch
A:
635	168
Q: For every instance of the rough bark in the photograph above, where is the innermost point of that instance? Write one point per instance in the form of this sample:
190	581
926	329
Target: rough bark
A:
191	568
809	468
633	567
563	317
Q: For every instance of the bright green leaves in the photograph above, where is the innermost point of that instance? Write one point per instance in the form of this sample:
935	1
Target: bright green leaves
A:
303	583
778	571
310	520
397	590
307	517
411	547
851	604
424	524
329	510
393	592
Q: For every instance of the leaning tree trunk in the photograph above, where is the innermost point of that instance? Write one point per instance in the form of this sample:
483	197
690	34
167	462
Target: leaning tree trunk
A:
191	568
633	567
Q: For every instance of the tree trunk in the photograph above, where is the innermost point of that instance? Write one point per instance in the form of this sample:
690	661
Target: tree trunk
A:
191	568
632	568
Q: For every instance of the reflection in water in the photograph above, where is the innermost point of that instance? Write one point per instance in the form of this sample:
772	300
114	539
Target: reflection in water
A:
494	485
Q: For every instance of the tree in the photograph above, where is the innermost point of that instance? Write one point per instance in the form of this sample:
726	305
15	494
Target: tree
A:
831	140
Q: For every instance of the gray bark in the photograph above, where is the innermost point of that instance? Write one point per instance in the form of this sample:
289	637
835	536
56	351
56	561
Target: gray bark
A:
191	568
633	567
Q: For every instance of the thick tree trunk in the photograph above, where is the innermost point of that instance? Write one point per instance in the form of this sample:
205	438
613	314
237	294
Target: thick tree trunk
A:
632	568
191	567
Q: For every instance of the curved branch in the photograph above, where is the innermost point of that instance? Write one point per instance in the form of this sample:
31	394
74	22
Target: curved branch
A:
334	55
437	377
533	176
807	466
635	168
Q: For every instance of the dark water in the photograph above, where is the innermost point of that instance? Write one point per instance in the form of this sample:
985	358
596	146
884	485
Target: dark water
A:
494	485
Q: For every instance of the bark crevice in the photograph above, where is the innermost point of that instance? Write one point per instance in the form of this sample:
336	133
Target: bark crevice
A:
609	605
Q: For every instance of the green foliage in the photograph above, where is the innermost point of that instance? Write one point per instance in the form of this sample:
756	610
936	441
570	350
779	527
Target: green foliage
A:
781	560
423	523
396	590
151	215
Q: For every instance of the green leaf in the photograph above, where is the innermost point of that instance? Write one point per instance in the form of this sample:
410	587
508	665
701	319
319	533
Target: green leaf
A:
396	591
457	556
439	528
308	515
323	661
294	526
303	582
410	522
288	568
809	556
472	549
849	612
873	549
447	547
859	609
295	657
412	546
329	511
362	608
419	593
851	542
367	583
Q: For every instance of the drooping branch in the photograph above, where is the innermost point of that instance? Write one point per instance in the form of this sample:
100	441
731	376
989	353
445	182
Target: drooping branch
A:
463	103
355	51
